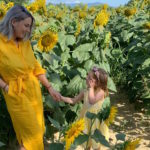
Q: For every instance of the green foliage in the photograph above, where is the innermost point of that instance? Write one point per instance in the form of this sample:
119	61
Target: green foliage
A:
130	53
7	134
99	138
126	58
56	146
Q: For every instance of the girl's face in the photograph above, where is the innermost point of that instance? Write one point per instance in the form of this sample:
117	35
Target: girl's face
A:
90	81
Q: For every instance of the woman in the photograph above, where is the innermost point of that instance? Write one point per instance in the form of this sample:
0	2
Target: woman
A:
20	72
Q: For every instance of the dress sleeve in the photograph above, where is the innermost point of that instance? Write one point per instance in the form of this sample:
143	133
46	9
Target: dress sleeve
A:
38	69
37	66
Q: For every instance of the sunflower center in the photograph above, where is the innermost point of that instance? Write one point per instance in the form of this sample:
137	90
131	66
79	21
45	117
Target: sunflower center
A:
46	40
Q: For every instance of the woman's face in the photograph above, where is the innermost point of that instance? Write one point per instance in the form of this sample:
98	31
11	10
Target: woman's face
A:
21	28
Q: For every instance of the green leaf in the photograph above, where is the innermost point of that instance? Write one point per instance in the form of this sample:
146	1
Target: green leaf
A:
54	122
70	116
65	56
98	137
106	102
75	85
81	53
120	136
81	139
1	144
56	146
62	40
70	40
124	35
90	115
105	66
55	78
51	58
111	85
83	72
50	102
88	64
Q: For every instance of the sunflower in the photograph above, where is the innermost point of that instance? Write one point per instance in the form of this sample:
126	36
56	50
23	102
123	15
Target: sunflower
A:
105	6
129	12
74	131
131	145
107	38
118	10
51	14
82	14
76	9
112	115
101	19
78	29
91	10
9	5
33	7
41	7
47	41
59	15
147	25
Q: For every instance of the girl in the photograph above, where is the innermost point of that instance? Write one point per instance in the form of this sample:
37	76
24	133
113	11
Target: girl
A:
93	99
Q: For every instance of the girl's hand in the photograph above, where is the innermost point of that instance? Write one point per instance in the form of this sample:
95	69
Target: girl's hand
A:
91	83
56	95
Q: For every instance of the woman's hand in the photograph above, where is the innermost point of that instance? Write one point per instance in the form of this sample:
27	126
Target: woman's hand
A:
56	95
6	89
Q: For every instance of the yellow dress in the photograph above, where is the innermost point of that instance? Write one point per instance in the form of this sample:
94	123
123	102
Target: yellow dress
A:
102	127
18	68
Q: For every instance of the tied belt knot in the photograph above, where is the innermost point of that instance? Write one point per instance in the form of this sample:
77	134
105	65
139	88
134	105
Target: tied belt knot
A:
19	82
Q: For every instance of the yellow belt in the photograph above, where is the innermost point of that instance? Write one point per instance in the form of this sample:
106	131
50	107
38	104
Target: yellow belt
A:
19	81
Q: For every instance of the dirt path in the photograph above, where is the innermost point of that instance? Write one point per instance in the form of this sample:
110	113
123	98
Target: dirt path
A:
130	121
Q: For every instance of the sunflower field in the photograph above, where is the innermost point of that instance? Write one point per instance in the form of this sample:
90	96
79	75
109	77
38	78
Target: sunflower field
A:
69	41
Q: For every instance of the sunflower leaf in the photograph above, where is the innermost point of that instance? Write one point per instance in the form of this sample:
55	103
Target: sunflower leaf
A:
81	139
56	146
1	144
90	115
98	137
54	122
120	136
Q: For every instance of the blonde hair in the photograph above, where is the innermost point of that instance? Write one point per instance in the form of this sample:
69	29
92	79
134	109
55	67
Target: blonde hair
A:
18	13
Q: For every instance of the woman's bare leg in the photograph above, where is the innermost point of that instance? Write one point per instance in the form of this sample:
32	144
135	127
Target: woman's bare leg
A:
22	148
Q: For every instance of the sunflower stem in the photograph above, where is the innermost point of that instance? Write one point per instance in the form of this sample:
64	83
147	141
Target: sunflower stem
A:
92	122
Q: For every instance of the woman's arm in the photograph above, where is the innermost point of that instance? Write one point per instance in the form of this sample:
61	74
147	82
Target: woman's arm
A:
73	100
56	95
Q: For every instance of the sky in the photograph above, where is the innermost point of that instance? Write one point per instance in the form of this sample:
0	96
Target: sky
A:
114	3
